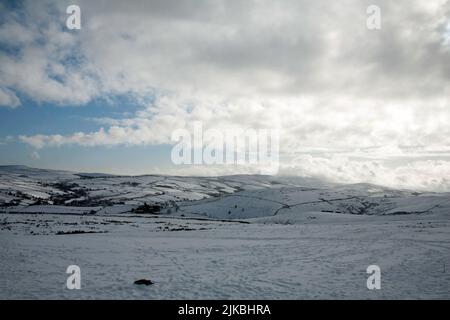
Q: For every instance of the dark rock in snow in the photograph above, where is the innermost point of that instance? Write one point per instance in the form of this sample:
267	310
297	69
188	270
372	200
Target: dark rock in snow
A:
143	281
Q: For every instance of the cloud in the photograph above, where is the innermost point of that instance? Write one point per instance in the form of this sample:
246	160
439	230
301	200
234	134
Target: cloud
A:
412	174
351	104
8	98
229	48
319	138
41	60
305	123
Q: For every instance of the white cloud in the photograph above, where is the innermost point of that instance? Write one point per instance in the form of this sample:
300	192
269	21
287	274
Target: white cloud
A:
8	98
373	144
351	104
412	174
227	48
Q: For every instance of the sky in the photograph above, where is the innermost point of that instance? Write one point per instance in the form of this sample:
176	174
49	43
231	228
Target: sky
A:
351	104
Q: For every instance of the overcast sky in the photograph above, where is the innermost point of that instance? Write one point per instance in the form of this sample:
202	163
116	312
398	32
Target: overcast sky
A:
351	104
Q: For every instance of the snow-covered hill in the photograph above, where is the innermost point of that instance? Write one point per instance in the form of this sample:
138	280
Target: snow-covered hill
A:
30	190
238	237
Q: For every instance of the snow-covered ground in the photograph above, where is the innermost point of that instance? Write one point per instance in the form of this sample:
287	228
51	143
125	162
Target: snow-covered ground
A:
249	237
324	257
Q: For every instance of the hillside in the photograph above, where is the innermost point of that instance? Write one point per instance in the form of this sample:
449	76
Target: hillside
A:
30	190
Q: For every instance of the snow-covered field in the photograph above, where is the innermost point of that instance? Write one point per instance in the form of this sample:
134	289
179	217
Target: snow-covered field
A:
249	237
